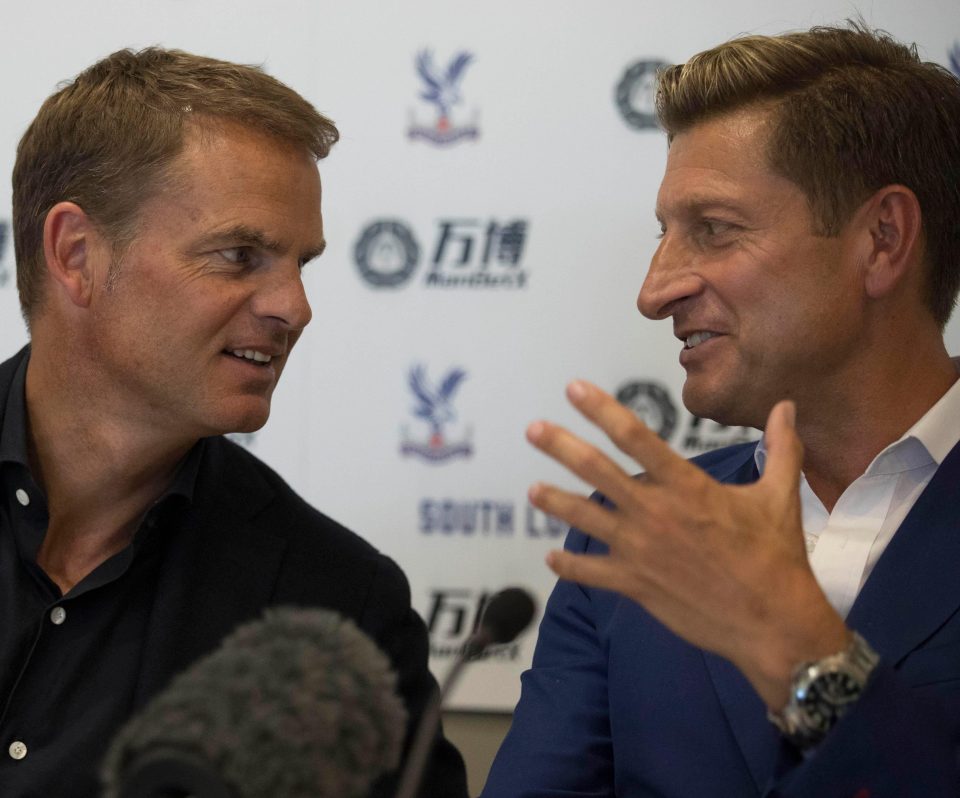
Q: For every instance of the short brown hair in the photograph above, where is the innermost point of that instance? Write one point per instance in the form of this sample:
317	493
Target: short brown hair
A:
853	111
106	139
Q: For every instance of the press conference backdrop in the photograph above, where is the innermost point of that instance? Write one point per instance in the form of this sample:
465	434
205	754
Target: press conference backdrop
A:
489	212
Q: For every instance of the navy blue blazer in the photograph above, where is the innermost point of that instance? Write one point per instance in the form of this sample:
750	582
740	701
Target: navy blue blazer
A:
617	705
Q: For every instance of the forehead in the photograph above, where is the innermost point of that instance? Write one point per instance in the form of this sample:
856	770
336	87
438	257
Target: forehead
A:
724	157
227	173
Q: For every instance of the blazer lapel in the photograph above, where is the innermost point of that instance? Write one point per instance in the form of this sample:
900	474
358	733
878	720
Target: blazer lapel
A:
218	569
915	587
759	741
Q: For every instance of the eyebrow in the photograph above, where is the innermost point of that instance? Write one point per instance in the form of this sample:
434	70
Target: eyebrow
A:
696	206
242	235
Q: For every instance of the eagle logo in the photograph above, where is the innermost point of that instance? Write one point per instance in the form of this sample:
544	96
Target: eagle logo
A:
441	88
434	405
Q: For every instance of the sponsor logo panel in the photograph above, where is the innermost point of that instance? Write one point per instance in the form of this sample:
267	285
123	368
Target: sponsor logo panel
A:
465	253
457	517
386	254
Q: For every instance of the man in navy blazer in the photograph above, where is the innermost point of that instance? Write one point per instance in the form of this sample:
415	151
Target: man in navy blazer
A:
777	619
164	207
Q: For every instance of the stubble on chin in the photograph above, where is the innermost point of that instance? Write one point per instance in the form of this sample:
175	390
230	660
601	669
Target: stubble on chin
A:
729	405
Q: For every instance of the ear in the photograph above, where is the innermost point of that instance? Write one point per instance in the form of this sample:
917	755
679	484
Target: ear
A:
893	222
70	247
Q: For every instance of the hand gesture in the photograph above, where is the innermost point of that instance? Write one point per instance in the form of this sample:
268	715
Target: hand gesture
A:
722	566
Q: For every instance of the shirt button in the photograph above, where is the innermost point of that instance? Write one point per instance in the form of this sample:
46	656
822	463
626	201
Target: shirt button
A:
17	750
58	615
23	497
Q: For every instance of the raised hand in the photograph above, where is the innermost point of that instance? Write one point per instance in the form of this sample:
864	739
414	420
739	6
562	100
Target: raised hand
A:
723	566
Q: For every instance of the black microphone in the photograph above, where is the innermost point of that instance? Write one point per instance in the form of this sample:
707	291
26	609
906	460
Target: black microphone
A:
298	703
505	616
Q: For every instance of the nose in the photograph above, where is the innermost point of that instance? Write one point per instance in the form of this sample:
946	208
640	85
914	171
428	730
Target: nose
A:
670	280
282	297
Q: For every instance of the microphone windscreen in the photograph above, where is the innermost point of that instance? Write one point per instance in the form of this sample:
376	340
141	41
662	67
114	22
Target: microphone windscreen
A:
298	703
507	614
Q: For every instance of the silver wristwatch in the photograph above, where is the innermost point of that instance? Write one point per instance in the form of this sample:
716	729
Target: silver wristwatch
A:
822	691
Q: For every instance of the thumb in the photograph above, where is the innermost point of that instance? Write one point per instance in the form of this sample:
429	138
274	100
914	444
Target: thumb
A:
784	449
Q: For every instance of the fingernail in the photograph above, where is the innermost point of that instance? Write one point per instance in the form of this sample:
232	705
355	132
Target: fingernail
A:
534	490
576	390
534	431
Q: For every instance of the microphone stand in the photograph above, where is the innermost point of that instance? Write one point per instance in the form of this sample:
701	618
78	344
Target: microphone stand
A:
506	615
422	741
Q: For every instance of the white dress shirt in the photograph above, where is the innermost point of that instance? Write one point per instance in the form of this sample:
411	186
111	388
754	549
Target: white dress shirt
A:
844	545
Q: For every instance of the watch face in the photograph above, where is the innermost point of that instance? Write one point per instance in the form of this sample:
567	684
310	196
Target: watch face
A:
826	698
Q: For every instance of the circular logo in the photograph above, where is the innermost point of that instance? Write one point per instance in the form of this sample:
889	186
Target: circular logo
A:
636	94
386	254
652	404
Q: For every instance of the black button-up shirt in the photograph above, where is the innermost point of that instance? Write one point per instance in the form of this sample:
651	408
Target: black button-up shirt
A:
68	663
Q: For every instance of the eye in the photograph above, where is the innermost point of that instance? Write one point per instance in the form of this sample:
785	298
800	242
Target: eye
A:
237	254
663	231
713	227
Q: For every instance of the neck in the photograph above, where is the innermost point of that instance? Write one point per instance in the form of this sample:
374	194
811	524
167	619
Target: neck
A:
99	469
845	428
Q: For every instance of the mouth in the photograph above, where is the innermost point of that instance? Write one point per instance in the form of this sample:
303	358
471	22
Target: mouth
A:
252	356
695	339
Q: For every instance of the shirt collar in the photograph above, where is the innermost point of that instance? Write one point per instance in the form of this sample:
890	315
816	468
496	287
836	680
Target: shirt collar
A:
13	433
938	429
930	439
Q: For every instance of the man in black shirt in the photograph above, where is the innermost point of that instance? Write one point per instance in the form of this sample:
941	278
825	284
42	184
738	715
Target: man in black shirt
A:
164	206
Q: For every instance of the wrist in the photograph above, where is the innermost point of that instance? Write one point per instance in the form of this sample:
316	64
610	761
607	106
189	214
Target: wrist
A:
823	690
792	637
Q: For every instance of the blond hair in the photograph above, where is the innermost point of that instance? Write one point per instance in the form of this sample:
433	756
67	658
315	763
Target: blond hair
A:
853	111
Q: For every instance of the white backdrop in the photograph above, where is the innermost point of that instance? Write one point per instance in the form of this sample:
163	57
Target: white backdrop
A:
536	182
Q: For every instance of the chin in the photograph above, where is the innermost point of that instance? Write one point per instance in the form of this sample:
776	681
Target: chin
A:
247	425
249	418
722	404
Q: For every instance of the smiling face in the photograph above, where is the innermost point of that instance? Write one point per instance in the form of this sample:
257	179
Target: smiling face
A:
193	331
766	308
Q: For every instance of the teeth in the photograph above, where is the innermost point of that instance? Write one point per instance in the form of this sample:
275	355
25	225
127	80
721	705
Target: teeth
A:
698	338
251	354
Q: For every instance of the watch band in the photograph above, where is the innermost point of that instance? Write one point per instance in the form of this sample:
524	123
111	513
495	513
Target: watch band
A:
823	690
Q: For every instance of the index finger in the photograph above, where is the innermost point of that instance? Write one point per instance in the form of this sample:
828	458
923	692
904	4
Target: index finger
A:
628	433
